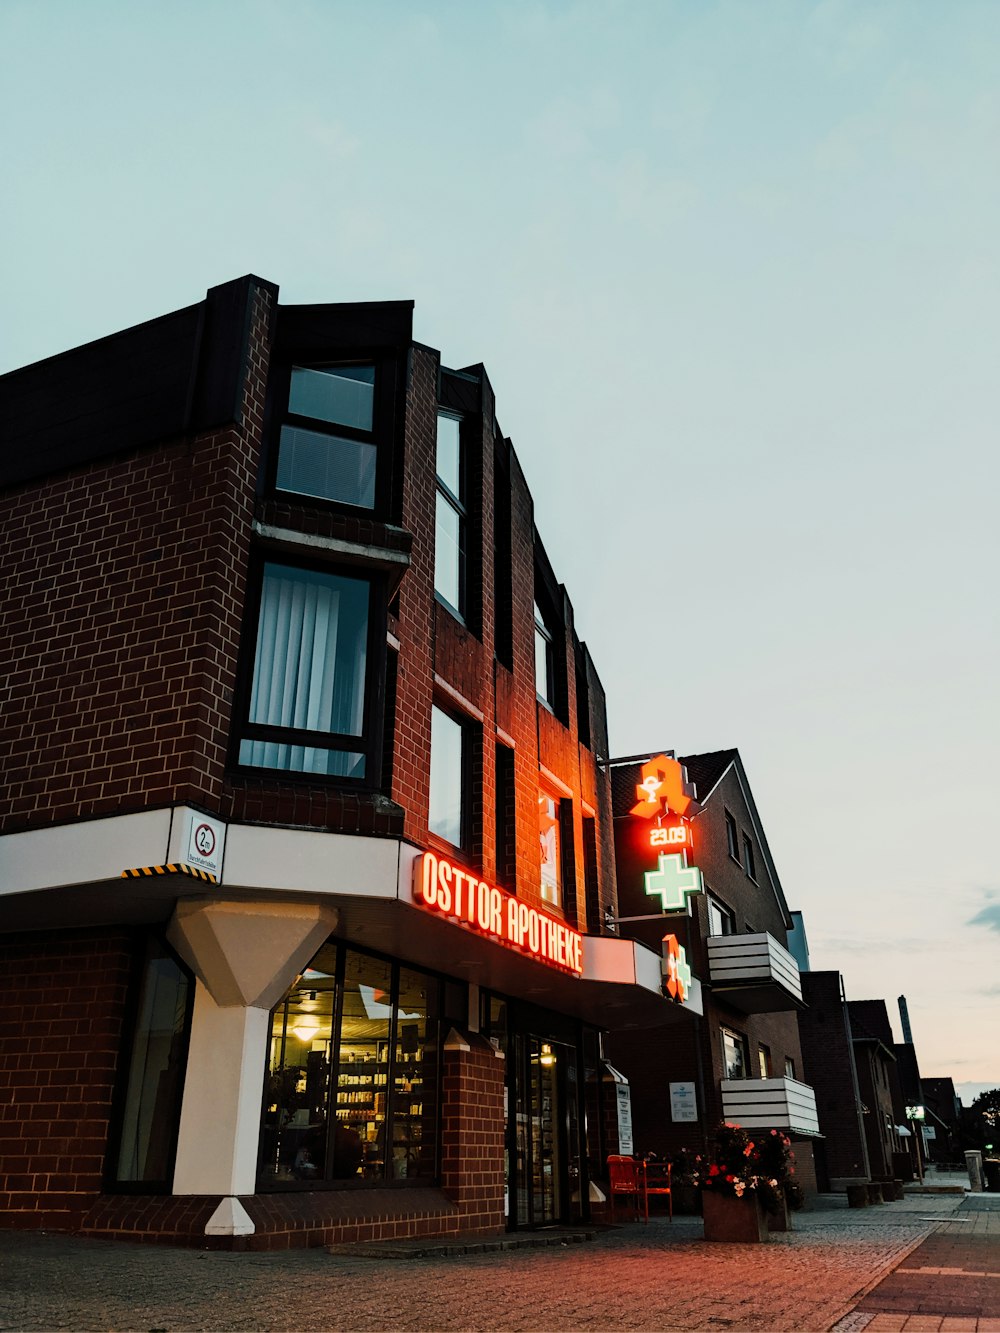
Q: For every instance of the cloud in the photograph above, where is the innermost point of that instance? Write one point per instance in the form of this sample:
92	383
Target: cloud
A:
860	944
988	916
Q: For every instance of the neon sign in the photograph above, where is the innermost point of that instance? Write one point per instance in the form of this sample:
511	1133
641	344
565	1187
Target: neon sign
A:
663	788
674	880
677	971
458	894
671	835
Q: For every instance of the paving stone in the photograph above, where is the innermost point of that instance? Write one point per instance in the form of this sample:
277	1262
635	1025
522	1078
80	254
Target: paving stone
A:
636	1276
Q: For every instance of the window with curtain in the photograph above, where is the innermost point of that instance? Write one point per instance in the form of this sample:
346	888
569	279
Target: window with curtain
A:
307	699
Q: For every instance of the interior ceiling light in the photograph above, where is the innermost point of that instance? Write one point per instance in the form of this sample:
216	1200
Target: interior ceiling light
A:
306	1027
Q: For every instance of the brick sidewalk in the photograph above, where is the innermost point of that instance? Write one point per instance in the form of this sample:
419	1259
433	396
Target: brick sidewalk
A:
950	1282
660	1276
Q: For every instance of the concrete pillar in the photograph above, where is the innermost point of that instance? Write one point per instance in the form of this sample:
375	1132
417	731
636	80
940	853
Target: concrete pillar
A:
245	955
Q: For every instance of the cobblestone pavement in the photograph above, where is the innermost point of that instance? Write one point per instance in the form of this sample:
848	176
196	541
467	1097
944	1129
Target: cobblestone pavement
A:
660	1276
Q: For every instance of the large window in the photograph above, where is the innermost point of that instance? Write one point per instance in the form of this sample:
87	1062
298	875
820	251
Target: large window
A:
307	708
449	798
352	1080
548	833
451	515
326	448
150	1111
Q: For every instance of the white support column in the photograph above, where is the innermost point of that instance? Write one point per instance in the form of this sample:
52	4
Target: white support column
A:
245	955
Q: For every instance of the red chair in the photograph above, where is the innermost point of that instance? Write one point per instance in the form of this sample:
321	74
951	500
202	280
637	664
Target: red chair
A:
624	1180
656	1180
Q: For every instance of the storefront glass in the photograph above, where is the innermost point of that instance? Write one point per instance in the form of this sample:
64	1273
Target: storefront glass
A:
376	1024
151	1110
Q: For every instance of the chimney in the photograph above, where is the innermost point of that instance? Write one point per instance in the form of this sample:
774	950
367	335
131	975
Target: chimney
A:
904	1018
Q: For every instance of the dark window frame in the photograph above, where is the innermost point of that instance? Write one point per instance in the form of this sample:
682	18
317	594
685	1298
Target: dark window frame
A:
370	741
740	1039
749	860
732	837
277	414
444	1021
726	914
467	725
459	504
119	1096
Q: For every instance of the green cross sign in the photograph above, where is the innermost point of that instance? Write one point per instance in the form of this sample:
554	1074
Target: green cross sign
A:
674	880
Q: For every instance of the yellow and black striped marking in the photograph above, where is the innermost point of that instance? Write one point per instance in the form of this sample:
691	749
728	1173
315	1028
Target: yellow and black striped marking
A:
174	869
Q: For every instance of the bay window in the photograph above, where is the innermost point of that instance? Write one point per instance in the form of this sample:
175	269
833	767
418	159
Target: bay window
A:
308	704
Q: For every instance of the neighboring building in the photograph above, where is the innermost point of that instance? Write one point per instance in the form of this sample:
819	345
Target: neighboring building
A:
883	1112
733	1052
829	1063
945	1106
306	847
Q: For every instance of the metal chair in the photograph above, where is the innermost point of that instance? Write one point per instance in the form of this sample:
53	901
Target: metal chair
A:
656	1180
624	1179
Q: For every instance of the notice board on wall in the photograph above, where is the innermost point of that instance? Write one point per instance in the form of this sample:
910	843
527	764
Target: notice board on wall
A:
683	1102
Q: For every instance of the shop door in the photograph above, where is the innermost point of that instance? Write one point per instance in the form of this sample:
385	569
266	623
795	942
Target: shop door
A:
544	1172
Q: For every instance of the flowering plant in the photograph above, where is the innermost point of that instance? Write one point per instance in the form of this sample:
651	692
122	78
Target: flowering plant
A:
740	1163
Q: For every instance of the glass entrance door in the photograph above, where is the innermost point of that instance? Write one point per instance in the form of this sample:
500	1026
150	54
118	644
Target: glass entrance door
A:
543	1173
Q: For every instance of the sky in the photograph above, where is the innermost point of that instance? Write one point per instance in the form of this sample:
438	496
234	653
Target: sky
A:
734	272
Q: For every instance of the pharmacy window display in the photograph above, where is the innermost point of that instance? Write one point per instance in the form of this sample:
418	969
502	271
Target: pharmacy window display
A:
351	1092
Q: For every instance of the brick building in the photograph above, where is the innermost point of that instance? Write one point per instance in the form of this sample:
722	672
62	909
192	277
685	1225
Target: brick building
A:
830	1068
733	1051
305	845
892	1152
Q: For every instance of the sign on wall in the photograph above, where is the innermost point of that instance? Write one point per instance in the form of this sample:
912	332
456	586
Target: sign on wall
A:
624	1104
683	1102
460	895
205	844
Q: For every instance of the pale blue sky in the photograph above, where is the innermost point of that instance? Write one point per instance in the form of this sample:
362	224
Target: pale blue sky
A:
734	270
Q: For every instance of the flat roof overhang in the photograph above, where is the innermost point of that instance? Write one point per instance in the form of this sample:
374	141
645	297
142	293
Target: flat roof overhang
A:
369	882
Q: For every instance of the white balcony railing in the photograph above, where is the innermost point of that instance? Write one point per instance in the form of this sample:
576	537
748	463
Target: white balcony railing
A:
770	1103
754	972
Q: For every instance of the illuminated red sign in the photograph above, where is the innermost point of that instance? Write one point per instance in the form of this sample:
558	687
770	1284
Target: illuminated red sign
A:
674	834
663	787
448	889
676	972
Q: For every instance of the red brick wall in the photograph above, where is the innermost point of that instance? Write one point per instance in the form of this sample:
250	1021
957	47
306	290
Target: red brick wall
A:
62	1006
124	594
472	1137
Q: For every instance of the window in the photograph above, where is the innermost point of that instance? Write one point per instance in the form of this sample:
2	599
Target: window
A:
789	1067
151	1103
447	817
450	529
721	921
764	1060
352	1080
749	864
545	666
732	837
734	1054
317	460
548	831
308	699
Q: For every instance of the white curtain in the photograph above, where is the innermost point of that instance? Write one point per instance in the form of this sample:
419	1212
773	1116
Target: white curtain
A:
296	667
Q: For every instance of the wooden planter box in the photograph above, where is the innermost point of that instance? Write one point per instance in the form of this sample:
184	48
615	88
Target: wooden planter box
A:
740	1220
